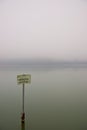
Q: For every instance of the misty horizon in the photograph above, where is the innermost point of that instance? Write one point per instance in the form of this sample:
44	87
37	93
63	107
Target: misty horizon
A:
42	63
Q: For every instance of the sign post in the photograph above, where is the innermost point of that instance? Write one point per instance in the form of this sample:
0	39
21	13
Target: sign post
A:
23	79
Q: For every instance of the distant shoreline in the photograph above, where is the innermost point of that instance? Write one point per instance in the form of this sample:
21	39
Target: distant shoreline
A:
42	64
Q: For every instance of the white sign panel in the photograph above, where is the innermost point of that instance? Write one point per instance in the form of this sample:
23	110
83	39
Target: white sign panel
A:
25	78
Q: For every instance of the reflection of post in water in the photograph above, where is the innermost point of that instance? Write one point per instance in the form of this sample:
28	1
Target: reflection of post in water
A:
22	125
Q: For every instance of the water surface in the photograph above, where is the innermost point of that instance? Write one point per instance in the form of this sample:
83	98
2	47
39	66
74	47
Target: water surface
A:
56	99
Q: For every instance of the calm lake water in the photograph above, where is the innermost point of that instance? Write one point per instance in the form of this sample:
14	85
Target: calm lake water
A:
56	99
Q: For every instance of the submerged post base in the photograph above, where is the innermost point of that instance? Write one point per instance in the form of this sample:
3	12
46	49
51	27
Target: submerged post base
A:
23	125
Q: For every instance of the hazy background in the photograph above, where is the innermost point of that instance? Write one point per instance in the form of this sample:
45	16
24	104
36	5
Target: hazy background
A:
53	29
34	32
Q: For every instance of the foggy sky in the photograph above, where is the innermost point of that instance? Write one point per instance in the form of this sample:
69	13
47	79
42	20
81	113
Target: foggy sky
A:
55	29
